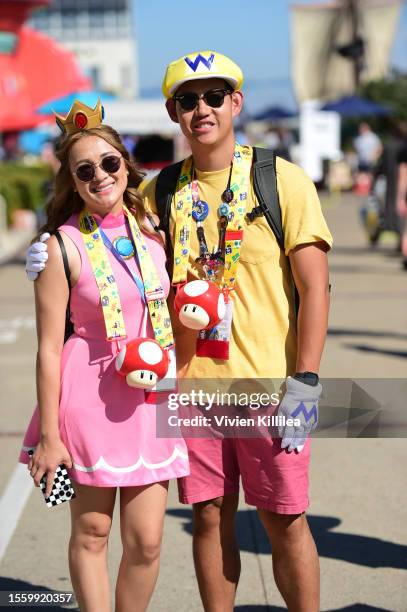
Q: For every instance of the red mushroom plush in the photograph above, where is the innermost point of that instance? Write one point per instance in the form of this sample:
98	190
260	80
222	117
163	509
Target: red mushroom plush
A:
200	304
142	361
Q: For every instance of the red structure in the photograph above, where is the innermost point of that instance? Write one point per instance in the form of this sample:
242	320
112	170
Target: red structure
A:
33	68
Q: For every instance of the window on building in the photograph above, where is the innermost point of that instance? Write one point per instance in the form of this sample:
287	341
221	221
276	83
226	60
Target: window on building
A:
69	20
85	19
126	78
40	20
96	19
94	72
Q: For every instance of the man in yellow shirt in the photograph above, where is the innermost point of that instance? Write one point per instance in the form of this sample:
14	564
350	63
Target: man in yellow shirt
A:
266	340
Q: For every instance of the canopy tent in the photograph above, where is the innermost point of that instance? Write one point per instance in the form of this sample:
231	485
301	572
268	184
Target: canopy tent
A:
35	70
63	105
354	106
274	113
337	44
140	117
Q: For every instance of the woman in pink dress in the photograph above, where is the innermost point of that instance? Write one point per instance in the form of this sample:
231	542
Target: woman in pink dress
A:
88	417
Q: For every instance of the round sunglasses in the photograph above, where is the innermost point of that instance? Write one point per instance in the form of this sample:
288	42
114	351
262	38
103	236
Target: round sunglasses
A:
86	172
213	98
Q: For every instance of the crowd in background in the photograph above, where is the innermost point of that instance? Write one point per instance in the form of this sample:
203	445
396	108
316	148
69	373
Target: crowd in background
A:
376	165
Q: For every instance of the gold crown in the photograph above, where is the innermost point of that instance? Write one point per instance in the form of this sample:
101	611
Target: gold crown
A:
80	117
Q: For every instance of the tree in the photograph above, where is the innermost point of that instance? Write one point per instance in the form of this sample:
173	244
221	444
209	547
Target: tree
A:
390	91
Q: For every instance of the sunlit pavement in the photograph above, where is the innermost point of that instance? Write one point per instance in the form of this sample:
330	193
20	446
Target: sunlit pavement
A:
358	486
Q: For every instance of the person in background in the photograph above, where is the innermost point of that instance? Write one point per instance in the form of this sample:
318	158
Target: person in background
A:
368	148
402	200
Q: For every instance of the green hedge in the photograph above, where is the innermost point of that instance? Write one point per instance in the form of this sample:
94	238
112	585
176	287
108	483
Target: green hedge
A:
23	186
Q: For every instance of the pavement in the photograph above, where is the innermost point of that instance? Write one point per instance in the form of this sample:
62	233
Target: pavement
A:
12	242
358	510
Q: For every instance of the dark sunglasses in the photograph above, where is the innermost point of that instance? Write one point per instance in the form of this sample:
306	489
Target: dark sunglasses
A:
213	98
87	172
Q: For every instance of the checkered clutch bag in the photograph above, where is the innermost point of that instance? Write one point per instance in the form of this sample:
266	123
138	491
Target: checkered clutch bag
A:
62	489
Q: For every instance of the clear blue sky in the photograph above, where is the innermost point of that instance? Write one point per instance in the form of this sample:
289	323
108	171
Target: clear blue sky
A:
255	33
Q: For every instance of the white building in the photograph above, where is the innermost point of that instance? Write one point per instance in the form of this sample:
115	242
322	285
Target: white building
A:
101	34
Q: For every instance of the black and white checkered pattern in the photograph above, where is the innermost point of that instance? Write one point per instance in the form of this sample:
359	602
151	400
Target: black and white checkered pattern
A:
62	489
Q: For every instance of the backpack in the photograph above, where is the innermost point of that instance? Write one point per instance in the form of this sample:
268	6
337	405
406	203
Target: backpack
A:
265	189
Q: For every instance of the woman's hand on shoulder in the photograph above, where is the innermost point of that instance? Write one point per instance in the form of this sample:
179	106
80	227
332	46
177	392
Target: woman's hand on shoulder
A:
54	262
47	456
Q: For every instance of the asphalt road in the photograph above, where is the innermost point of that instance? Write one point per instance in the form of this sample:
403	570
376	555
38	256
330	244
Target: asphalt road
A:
358	511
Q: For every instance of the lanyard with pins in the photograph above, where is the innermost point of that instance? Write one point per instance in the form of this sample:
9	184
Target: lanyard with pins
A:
233	210
108	290
211	262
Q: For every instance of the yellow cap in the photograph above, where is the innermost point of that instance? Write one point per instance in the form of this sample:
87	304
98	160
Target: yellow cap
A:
201	65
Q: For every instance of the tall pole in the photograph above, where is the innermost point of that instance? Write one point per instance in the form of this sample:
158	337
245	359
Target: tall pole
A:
358	59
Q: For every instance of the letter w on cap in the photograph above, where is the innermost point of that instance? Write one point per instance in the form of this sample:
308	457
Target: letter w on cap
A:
200	58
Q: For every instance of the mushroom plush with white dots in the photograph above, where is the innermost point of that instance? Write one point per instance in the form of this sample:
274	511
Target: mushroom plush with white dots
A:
200	304
143	362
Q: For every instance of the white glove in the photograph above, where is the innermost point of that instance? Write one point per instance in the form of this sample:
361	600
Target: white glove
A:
36	257
299	402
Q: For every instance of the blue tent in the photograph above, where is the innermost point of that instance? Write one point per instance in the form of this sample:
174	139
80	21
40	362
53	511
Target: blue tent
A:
354	106
62	105
32	141
274	113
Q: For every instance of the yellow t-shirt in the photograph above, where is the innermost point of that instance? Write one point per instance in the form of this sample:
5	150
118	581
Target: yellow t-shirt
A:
263	342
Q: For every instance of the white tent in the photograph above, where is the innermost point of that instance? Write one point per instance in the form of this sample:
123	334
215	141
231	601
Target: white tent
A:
139	117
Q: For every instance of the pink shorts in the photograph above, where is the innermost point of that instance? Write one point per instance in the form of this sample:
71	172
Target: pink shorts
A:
272	478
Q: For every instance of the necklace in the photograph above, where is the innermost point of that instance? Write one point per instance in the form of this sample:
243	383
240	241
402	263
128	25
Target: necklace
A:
211	262
230	225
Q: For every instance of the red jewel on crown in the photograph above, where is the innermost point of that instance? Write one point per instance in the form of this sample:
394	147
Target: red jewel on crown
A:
80	120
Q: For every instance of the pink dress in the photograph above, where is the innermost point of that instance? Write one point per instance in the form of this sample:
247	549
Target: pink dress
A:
106	425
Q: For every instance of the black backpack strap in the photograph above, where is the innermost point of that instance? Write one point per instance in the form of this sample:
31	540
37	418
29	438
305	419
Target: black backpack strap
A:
69	329
64	259
164	190
265	188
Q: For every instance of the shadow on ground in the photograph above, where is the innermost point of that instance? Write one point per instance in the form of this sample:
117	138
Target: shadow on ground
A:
10	584
352	548
373	349
369	333
360	269
357	607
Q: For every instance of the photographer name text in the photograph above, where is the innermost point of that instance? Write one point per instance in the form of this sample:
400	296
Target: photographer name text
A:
277	420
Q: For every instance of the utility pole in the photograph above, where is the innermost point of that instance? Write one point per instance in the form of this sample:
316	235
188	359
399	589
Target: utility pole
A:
354	50
357	42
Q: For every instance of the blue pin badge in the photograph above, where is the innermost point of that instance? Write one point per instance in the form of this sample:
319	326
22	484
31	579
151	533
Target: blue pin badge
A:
223	210
124	246
200	210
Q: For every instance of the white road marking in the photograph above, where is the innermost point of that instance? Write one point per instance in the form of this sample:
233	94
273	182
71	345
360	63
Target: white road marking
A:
8	337
12	504
10	328
18	323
